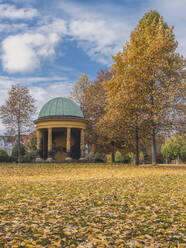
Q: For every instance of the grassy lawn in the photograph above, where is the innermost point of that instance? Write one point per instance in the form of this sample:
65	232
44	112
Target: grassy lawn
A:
91	205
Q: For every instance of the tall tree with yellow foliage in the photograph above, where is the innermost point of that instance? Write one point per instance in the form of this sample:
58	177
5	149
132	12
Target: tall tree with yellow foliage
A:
148	85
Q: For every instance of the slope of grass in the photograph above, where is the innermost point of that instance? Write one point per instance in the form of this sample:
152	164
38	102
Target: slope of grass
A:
91	205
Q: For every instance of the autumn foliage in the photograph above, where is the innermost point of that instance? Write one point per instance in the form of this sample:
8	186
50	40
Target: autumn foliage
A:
144	97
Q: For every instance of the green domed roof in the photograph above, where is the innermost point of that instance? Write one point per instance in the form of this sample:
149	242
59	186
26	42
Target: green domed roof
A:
60	107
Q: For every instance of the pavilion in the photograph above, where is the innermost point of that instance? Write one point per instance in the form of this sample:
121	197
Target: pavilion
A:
60	129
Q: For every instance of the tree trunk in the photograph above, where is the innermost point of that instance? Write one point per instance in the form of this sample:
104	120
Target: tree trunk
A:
154	153
113	157
153	137
19	145
145	155
113	151
137	146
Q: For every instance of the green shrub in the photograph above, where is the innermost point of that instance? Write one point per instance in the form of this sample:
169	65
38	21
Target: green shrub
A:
3	156
29	157
108	158
129	157
183	152
174	148
119	157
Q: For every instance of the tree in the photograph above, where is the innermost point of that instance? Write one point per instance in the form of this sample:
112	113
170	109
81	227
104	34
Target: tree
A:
31	145
147	89
124	120
79	93
17	112
174	148
31	148
90	96
96	107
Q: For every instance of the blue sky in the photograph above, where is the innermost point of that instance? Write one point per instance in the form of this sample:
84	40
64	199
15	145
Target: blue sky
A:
47	44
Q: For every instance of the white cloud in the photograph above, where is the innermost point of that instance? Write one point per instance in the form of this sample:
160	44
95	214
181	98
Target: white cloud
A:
41	79
18	56
22	52
56	25
11	12
99	37
12	28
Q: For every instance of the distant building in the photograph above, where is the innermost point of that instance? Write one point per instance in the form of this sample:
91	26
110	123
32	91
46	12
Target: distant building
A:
7	143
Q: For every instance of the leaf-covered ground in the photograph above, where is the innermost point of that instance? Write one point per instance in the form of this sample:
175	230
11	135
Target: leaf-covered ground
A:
91	205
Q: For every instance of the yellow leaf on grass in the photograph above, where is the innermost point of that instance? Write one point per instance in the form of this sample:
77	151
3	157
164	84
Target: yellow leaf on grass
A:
137	244
68	233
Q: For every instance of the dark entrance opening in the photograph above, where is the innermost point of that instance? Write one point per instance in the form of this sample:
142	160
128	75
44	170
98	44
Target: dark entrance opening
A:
75	148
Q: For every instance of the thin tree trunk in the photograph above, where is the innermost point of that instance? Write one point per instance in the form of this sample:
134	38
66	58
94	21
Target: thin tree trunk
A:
153	137
19	145
154	153
19	137
166	158
145	155
113	151
137	146
113	157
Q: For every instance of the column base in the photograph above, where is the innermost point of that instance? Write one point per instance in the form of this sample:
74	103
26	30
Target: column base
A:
39	160
68	158
49	160
82	158
49	157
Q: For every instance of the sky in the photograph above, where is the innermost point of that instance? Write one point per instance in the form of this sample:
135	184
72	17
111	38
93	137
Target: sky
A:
47	45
